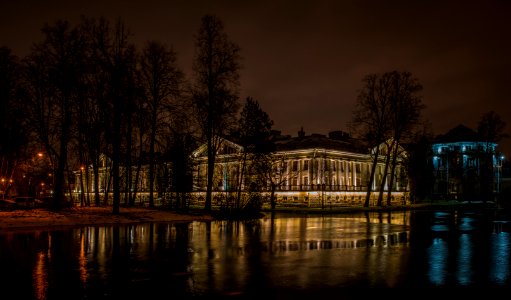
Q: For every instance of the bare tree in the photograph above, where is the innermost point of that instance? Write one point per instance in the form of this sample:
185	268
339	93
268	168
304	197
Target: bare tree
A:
12	135
406	106
388	108
371	119
273	169
117	58
54	70
491	129
215	88
161	79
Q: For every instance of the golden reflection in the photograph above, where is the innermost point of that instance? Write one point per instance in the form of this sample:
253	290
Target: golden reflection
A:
40	276
48	253
82	260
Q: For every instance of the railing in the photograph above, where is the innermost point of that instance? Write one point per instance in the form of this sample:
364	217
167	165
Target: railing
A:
299	187
322	187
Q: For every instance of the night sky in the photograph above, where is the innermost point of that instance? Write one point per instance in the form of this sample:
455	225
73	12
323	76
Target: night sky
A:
304	60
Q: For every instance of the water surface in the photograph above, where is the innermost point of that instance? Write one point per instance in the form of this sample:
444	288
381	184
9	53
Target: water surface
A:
279	256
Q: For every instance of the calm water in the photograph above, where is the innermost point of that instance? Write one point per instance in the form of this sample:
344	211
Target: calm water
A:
345	256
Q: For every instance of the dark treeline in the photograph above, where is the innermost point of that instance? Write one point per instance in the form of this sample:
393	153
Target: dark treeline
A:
86	90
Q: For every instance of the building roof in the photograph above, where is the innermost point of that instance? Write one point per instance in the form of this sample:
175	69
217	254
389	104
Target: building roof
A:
332	142
460	133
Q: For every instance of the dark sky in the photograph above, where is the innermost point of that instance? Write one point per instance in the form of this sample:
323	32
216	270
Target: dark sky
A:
304	60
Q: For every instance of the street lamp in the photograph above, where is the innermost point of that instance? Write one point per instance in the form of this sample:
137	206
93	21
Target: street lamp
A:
41	155
499	173
82	188
41	193
3	188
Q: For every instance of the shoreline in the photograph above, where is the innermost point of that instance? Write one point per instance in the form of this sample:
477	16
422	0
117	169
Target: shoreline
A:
42	218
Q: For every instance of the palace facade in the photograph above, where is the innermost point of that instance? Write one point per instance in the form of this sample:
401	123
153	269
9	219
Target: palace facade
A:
308	170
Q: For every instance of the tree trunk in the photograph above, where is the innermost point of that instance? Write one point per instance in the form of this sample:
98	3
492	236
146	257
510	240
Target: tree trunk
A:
392	175
211	169
151	160
371	177
384	179
95	170
273	202
116	156
240	180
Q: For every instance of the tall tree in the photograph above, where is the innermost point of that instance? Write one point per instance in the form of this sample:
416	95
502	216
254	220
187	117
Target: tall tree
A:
405	105
116	57
491	128
420	165
215	88
161	79
254	136
371	119
12	136
54	76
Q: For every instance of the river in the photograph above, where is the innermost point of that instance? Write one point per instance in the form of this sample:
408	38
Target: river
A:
282	256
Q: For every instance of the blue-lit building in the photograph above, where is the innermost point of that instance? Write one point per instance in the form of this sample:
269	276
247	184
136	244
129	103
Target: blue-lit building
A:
466	167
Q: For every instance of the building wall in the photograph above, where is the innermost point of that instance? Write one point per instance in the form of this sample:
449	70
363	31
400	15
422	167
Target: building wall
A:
311	177
458	168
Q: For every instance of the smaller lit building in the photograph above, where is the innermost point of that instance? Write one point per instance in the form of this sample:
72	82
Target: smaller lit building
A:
465	165
137	187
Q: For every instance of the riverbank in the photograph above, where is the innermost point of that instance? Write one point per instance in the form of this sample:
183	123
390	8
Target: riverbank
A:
76	216
79	216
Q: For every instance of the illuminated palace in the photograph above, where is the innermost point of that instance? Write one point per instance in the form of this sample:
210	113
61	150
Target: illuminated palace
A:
309	170
460	158
312	170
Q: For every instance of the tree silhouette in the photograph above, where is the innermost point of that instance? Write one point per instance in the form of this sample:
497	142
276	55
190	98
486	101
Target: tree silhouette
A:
491	128
12	135
387	110
116	56
406	106
215	88
161	81
371	119
54	73
254	131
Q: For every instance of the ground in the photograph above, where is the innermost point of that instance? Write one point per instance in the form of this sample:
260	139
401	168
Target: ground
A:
41	217
30	217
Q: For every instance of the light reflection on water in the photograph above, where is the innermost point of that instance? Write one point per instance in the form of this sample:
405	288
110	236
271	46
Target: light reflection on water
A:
269	257
40	276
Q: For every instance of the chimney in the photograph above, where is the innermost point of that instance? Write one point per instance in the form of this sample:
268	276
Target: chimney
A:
301	133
